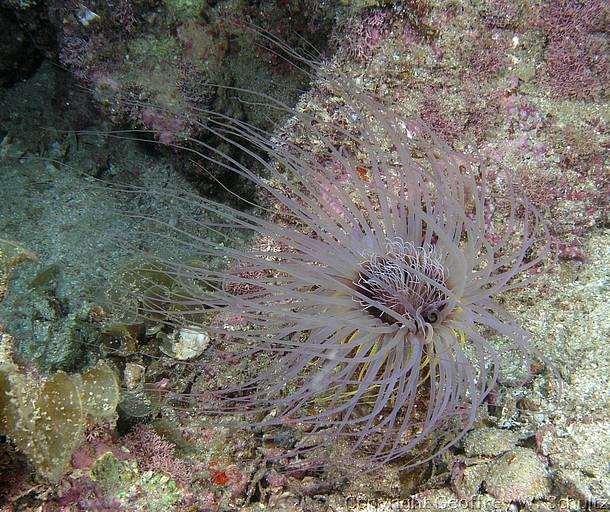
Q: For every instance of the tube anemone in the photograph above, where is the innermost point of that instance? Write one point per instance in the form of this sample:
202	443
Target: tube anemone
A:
370	287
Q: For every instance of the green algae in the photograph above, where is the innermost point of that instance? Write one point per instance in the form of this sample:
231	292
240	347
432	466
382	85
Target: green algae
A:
183	9
112	475
124	480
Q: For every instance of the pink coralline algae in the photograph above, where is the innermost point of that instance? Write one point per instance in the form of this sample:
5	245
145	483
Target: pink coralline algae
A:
123	14
489	56
103	504
155	453
433	113
576	68
503	14
77	54
165	125
576	56
367	34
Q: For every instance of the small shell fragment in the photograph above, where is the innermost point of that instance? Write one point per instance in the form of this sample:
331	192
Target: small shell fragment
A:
188	343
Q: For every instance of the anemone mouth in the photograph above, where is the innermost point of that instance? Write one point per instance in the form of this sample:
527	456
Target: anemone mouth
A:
404	286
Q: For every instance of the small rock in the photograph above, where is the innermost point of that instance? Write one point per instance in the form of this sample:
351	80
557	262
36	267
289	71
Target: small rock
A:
11	150
489	441
574	484
518	476
467	482
133	375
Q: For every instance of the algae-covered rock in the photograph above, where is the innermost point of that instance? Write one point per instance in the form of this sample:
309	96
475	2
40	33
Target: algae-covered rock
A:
111	474
468	484
489	441
519	475
127	483
45	419
11	254
53	332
